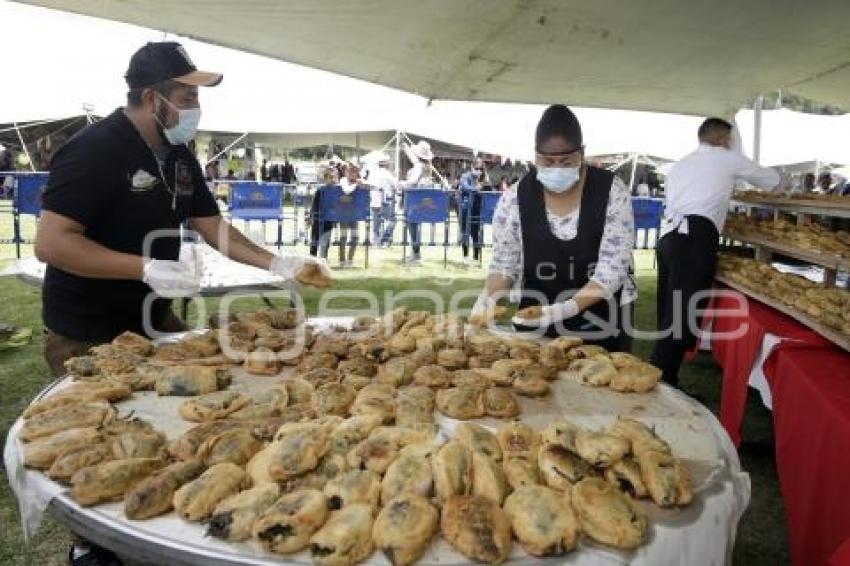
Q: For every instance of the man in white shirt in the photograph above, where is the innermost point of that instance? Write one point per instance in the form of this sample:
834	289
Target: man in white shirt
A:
382	200
698	191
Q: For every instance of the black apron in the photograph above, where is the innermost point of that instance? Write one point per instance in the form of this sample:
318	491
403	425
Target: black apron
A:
552	266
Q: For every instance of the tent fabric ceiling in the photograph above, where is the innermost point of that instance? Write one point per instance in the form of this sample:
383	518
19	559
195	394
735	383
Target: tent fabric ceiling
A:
690	57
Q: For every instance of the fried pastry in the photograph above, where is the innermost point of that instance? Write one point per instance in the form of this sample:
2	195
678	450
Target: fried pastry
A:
636	378
529	385
586	352
108	481
461	402
409	473
346	538
333	399
601	449
404	528
477	528
192	380
452	468
352	431
626	476
71	460
353	486
262	361
91	414
154	495
318	360
134	343
422	357
186	446
642	438
138	444
561	433
356	382
597	371
401	344
478	439
375	399
270	403
488	478
624	359
321	376
233	518
43	452
299	449
313	275
452	358
257	467
299	391
470	378
212	406
359	366
107	391
81	366
561	469
543	520
196	500
667	480
433	376
607	515
375	453
520	472
518	440
287	525
396	372
237	446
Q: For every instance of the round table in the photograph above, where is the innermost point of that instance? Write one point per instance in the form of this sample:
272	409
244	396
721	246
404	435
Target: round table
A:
702	533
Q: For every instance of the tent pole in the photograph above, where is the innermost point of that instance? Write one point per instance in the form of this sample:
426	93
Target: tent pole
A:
24	147
634	172
398	154
223	151
757	128
357	148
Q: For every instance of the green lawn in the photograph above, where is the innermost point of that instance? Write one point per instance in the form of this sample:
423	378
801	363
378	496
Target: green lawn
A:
761	534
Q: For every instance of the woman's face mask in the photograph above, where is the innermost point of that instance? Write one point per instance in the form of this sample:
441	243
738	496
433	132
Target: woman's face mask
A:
186	127
558	179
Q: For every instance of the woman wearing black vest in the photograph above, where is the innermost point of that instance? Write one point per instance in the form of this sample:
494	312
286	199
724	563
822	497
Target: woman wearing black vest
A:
563	237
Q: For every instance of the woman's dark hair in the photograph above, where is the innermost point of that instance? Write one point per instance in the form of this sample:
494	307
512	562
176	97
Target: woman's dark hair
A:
558	121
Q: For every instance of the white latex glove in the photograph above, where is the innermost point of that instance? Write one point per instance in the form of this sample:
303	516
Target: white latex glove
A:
288	266
171	279
550	315
485	310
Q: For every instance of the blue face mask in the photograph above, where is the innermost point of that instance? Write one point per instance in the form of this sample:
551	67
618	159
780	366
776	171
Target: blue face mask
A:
558	179
185	128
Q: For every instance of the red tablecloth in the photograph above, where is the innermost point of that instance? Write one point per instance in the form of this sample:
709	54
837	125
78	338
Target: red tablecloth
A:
737	356
841	556
811	419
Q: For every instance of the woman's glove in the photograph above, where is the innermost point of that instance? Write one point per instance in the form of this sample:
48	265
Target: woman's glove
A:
546	316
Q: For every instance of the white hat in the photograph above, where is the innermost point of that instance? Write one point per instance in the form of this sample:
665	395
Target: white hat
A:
422	150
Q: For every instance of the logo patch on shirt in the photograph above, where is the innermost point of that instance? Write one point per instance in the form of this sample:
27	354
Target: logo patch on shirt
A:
142	181
183	179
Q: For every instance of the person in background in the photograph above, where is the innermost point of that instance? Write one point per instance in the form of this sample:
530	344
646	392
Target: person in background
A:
231	175
348	230
419	175
382	200
824	182
698	191
469	209
264	170
808	183
321	231
287	173
564	237
274	172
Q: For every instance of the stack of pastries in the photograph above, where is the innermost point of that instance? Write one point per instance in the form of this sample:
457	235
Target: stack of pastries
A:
811	236
340	457
829	306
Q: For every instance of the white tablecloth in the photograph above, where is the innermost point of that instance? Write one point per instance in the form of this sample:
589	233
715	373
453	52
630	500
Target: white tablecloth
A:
703	533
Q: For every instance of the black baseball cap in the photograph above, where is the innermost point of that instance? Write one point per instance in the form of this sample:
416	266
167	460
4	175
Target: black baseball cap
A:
166	60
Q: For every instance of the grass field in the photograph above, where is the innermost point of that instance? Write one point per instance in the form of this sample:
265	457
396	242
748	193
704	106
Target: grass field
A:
761	534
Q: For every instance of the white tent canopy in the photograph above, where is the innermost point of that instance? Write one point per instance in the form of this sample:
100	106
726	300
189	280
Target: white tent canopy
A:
686	56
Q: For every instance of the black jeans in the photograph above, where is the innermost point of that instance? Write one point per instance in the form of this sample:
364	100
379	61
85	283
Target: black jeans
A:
686	267
413	228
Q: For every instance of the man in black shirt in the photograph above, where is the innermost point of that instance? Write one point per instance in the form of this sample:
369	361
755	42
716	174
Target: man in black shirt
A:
117	194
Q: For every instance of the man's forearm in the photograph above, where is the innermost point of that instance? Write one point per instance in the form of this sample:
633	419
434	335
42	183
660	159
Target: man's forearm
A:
497	283
78	255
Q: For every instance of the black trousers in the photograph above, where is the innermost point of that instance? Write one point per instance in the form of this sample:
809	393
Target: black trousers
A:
413	228
686	266
470	219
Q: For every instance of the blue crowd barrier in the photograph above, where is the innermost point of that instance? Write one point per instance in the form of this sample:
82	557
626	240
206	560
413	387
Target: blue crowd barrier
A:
425	206
263	201
647	214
